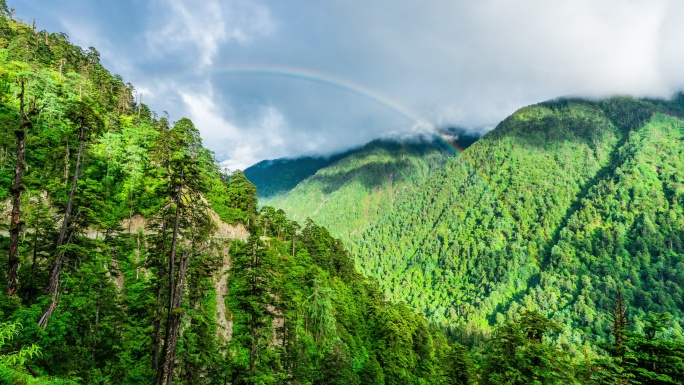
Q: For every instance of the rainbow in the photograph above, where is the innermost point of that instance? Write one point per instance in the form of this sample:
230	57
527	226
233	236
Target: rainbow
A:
308	75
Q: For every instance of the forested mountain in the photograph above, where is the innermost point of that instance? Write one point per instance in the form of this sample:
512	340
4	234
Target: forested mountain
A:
278	176
554	210
131	259
558	207
363	185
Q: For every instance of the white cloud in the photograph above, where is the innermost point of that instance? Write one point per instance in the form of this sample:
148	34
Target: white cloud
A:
455	63
240	145
206	116
206	25
146	93
669	47
473	63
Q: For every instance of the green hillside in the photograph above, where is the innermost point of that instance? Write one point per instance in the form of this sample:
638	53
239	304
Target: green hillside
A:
558	207
278	176
497	228
362	186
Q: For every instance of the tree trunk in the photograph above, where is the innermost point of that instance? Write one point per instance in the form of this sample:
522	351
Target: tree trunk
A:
253	348
57	266
165	367
165	372
174	241
97	321
254	322
16	223
66	163
157	332
157	336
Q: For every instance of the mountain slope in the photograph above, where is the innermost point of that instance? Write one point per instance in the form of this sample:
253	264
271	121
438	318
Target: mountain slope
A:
627	232
356	190
278	176
487	235
477	240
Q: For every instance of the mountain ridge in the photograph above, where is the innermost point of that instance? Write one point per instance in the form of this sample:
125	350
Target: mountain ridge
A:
274	177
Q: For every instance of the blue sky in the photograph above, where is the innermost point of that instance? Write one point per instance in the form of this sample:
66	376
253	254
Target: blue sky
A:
268	79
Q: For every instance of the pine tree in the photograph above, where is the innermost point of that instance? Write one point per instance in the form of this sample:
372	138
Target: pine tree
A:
252	290
654	360
242	196
82	116
619	327
518	354
184	223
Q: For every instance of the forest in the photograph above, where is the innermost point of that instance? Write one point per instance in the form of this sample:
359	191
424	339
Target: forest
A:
132	259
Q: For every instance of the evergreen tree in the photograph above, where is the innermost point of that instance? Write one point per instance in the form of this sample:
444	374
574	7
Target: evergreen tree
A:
652	359
519	354
252	288
178	152
88	123
242	196
26	114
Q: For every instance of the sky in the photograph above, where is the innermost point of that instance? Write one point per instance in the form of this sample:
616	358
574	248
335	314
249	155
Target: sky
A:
268	79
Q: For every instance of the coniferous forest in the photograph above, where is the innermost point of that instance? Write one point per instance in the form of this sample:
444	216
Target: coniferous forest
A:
551	251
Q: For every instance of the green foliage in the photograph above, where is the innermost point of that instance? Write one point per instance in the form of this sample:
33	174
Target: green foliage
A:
518	354
651	359
8	331
548	212
241	194
553	211
301	313
101	329
361	186
11	362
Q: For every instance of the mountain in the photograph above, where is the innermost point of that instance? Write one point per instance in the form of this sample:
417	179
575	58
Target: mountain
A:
363	184
564	203
278	176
